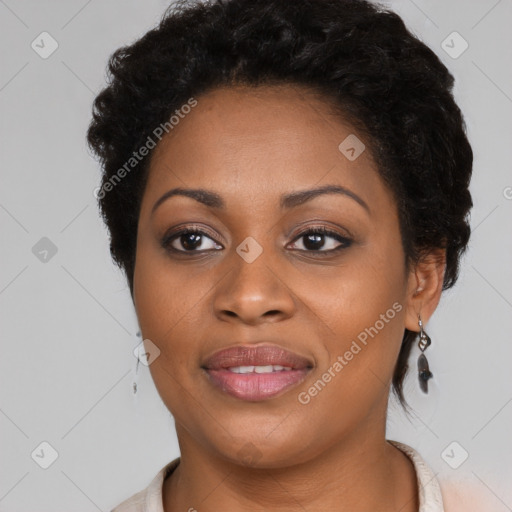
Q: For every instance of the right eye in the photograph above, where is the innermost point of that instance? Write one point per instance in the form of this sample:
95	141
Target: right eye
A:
190	239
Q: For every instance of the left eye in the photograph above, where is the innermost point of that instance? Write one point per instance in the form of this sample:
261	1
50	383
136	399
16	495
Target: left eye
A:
314	238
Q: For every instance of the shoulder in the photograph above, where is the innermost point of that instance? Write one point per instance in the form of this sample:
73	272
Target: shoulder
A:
463	496
440	494
133	504
429	492
150	498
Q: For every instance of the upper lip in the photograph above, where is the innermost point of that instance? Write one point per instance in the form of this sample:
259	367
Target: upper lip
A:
257	355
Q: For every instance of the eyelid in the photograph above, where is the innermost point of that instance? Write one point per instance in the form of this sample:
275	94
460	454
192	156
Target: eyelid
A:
325	229
344	241
184	228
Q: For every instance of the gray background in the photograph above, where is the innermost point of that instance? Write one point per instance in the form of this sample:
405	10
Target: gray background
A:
68	326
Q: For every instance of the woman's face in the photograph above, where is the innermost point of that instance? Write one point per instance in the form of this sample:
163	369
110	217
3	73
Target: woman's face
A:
259	276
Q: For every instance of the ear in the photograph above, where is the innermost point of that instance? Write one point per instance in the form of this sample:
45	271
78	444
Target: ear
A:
424	287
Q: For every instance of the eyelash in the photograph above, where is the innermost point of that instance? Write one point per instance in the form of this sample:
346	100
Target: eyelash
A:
320	230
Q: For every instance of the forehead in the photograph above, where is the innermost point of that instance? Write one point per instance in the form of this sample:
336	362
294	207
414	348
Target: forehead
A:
248	141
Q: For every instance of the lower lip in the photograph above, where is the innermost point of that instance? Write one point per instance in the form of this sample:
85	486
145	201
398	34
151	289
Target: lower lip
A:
255	386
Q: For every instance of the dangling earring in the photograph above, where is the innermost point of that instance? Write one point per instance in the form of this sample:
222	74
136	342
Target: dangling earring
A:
424	373
136	375
136	353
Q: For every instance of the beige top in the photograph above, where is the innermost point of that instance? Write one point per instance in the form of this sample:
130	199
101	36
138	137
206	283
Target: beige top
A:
430	499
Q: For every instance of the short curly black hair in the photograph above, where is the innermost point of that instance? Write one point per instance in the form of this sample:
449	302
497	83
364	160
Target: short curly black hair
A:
358	55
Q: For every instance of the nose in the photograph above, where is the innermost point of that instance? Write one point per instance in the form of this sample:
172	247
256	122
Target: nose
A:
254	293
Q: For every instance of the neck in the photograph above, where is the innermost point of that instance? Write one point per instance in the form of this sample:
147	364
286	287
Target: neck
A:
360	473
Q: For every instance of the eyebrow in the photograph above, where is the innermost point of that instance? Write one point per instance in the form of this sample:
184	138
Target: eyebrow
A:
287	201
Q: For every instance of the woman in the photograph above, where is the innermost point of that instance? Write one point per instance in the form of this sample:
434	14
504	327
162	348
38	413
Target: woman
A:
286	188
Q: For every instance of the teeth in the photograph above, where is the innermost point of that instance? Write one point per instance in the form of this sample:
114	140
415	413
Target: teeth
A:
259	369
264	369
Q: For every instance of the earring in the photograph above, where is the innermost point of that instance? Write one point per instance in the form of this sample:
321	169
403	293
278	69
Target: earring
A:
135	385
424	373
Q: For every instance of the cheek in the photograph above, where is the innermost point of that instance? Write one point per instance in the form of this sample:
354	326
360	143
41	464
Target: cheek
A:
160	301
170	303
357	294
363	306
165	306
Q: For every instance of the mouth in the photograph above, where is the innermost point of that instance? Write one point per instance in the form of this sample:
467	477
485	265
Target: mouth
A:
256	372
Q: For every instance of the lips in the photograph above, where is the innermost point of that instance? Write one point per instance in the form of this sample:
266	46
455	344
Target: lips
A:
255	373
262	355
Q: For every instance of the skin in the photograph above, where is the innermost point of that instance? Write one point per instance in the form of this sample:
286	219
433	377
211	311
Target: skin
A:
251	146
